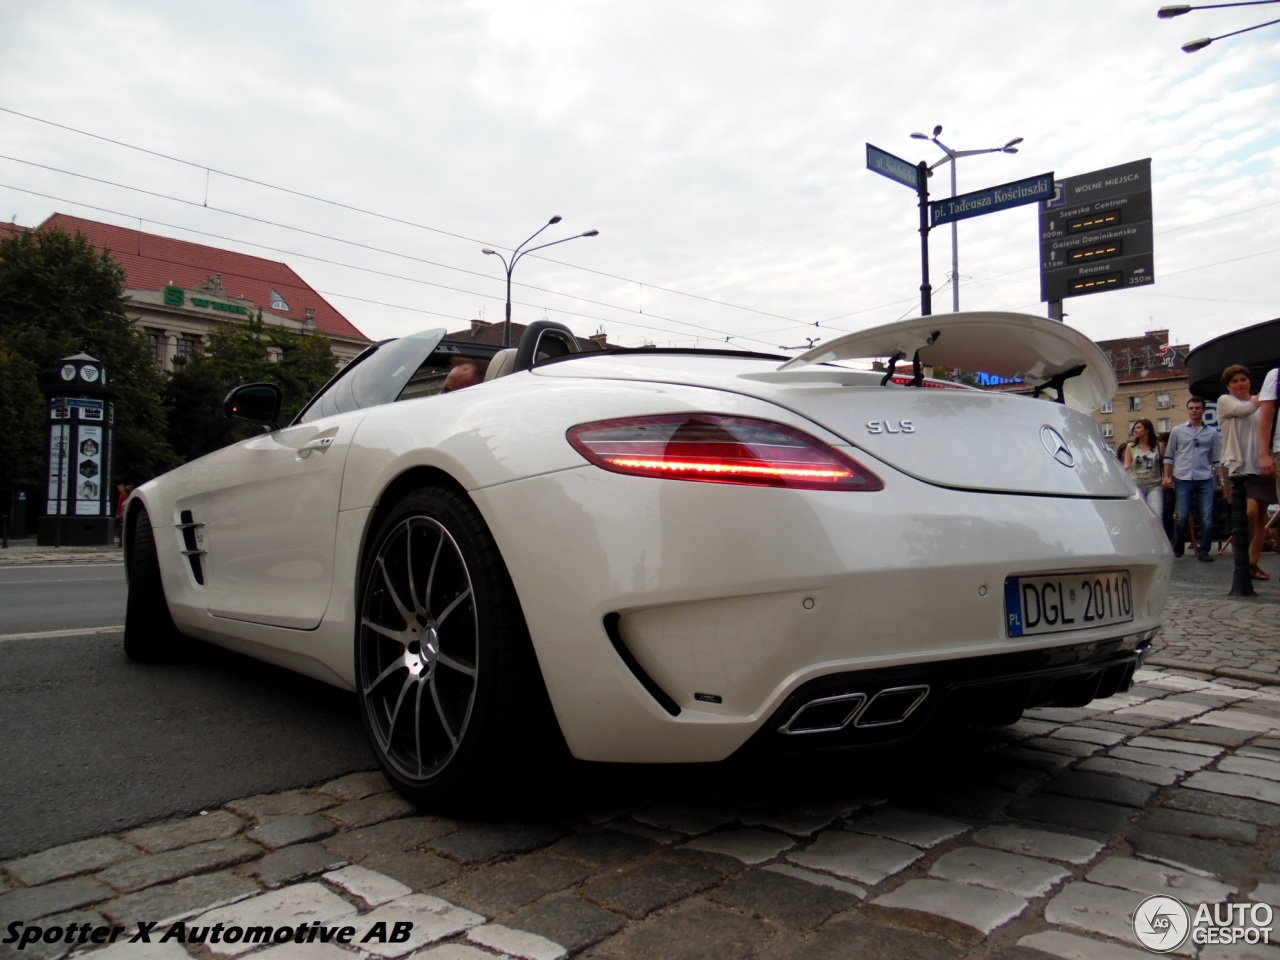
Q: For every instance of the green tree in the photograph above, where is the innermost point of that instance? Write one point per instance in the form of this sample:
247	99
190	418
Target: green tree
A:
59	296
22	412
242	353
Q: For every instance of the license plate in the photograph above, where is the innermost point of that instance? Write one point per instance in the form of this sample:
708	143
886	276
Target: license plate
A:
1076	601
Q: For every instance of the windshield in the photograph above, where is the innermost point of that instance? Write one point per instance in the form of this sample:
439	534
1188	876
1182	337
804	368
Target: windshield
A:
376	377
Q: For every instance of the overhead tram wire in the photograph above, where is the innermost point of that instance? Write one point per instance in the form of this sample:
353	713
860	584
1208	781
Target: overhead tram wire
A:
593	318
199	166
392	276
709	332
371	213
348	296
323	236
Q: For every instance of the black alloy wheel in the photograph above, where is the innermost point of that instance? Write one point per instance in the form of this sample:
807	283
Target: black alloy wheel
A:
444	668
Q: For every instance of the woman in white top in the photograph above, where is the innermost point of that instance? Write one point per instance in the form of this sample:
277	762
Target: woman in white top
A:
1238	415
1141	457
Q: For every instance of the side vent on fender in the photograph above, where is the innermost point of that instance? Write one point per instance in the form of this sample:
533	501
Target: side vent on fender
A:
192	538
663	698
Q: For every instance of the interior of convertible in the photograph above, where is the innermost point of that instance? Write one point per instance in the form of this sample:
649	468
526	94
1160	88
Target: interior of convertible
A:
417	365
541	341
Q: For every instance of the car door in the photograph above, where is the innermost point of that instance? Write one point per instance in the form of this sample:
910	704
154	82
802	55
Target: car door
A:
270	520
271	511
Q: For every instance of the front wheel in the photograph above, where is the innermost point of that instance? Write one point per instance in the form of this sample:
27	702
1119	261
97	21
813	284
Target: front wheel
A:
445	675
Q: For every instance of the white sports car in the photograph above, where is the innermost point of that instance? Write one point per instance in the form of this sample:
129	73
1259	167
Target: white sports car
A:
667	555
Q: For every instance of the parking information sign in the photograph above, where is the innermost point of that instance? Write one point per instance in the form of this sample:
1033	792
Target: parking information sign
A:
1095	233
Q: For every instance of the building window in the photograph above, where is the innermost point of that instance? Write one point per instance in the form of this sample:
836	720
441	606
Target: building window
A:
155	338
1163	401
1135	403
1164	426
1108	430
186	349
1109	406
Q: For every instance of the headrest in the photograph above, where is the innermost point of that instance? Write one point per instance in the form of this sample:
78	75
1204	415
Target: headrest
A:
501	364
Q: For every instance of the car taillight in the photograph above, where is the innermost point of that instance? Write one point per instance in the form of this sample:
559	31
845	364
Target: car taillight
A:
719	449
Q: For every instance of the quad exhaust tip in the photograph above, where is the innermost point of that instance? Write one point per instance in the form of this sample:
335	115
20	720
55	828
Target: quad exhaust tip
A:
831	714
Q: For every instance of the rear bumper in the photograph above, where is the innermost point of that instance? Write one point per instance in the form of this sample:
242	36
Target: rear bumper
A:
675	622
879	707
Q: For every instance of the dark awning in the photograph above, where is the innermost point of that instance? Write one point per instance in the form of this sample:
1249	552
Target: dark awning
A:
1257	347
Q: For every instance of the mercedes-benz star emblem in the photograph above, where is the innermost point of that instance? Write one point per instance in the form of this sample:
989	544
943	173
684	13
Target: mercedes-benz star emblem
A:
1056	446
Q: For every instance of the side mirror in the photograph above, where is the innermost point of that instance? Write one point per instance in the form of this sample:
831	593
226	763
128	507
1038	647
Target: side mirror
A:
256	403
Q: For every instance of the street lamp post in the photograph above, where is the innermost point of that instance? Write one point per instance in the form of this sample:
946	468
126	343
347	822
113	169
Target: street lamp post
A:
951	157
519	252
1178	9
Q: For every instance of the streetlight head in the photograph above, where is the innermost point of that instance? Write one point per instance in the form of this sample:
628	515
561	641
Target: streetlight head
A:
937	131
591	233
1177	10
919	136
1012	145
1195	45
492	253
553	220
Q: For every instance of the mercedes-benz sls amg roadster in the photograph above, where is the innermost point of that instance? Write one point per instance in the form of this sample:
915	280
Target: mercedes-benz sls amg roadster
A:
667	556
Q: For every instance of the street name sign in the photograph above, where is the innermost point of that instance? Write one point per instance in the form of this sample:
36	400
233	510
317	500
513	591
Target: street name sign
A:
1095	233
895	168
990	200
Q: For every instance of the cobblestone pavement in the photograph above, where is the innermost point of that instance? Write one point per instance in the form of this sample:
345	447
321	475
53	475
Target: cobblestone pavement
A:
1032	841
1036	840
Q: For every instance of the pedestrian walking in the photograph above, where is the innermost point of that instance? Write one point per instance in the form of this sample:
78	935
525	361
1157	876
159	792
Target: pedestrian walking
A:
1239	414
1268	435
1190	470
1142	458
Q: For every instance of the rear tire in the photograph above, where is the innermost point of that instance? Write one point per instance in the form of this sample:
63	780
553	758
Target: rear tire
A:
150	635
449	689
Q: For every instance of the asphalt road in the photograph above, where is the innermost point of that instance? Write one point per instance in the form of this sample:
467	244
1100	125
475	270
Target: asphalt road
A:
93	742
61	596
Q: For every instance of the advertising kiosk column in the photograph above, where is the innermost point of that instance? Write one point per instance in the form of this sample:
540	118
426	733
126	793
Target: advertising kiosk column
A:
79	500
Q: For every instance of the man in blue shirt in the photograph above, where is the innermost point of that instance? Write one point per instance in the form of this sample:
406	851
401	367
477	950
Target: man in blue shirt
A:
1190	467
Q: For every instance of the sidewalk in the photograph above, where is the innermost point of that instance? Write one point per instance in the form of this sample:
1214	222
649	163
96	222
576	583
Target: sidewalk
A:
25	552
1207	631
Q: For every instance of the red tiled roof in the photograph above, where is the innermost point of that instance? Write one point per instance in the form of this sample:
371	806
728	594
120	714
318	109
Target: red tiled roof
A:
151	262
10	229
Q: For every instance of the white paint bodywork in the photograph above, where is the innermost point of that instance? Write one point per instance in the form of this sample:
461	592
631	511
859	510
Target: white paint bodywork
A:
740	592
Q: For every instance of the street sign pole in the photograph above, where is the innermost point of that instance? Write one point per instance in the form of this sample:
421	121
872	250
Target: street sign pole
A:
922	189
915	176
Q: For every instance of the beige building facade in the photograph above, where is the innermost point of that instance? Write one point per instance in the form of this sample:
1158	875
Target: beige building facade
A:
1153	385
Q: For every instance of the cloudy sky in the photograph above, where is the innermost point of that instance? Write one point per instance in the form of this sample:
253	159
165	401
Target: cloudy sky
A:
718	147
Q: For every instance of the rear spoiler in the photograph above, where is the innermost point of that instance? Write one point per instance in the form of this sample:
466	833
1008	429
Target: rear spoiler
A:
1052	358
